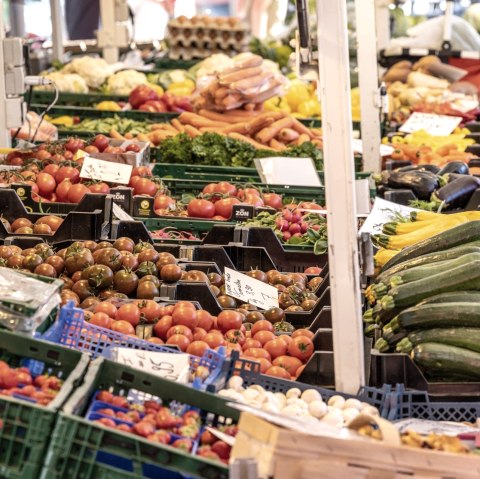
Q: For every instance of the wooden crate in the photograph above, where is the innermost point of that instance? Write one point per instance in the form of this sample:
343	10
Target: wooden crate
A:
284	454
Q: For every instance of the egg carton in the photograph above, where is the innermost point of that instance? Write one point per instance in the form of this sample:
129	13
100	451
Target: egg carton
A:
220	23
208	35
181	53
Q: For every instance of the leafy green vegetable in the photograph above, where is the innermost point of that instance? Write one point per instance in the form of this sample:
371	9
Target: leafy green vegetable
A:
177	149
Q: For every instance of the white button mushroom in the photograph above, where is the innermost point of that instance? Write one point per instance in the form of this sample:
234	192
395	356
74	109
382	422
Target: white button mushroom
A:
333	417
370	410
293	393
250	394
281	398
310	395
235	382
350	413
292	410
352	403
317	409
336	401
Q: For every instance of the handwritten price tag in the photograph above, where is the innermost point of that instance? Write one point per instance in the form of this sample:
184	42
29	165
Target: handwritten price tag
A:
166	365
436	125
250	290
108	171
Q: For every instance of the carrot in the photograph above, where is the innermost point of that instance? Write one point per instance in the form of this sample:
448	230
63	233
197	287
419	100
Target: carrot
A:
276	145
246	139
241	113
116	135
301	128
222	92
198	121
128	136
214	116
192	131
302	139
178	126
258	123
142	137
240	127
249	106
287	134
265	135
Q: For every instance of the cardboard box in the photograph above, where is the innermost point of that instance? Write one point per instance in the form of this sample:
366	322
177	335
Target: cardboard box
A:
142	158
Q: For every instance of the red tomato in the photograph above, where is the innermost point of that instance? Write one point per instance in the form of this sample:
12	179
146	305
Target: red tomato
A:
179	340
144	186
205	320
253	200
62	190
33	185
258	353
149	309
229	319
264	337
251	343
101	188
129	312
214	340
101	142
74	144
141	171
278	372
233	347
210	189
224	207
180	330
184	304
162	326
107	308
197	348
77	192
302	332
199	334
226	188
299	371
262	325
166	310
51	169
185	316
46	184
133	180
285	338
67	172
289	363
308	205
123	327
163	202
153	339
235	336
265	364
275	347
201	209
101	319
301	347
273	200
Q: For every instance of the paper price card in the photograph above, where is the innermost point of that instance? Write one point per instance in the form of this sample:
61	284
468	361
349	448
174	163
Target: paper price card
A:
166	365
279	170
250	290
108	171
436	125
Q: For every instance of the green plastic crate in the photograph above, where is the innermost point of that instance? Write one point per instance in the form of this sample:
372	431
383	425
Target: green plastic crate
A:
42	97
26	426
168	64
76	441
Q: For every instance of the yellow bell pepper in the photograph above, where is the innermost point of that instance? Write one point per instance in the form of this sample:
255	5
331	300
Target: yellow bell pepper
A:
62	120
309	108
158	89
108	105
297	93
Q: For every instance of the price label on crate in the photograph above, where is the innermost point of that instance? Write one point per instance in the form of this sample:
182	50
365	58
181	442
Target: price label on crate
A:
250	290
174	367
108	171
436	125
279	170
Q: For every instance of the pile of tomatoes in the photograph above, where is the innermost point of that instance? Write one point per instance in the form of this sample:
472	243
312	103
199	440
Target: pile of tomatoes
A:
45	225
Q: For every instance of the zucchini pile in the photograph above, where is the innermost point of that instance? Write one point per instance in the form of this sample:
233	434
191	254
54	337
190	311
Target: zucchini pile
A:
425	301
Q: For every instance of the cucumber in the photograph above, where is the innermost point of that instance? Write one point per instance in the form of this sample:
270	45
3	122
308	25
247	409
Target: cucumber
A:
435	315
430	258
461	278
443	360
453	297
468	338
420	272
458	235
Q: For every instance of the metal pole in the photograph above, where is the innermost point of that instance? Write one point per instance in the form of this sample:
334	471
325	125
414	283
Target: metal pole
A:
107	15
334	87
382	23
368	83
17	18
5	138
57	30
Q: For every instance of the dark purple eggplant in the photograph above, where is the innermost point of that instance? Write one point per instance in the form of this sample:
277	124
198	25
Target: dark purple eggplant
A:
431	168
458	167
422	183
457	193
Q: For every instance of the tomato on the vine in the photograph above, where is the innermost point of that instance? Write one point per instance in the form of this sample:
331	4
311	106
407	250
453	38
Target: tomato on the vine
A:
201	208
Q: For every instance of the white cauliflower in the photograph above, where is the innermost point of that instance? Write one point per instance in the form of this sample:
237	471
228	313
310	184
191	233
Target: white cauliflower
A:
66	82
93	70
123	82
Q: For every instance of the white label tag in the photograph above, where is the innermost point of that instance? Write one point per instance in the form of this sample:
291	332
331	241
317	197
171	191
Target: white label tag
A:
425	427
250	290
436	125
226	438
120	214
174	367
279	170
105	171
385	150
382	212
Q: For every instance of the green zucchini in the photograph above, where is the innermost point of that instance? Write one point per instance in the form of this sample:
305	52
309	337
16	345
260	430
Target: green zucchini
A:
438	359
370	330
385	343
436	315
458	235
429	258
453	297
461	278
468	338
420	272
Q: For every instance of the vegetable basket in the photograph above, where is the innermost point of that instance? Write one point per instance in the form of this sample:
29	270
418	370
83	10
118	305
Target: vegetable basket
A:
79	447
25	426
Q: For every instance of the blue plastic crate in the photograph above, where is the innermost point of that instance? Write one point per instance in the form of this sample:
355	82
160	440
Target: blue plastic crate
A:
404	403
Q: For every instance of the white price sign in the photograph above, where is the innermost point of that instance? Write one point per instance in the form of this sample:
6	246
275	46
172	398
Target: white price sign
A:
382	212
279	170
250	290
436	125
385	150
173	366
108	171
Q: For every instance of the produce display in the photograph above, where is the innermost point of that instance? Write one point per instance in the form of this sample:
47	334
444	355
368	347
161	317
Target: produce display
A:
424	297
